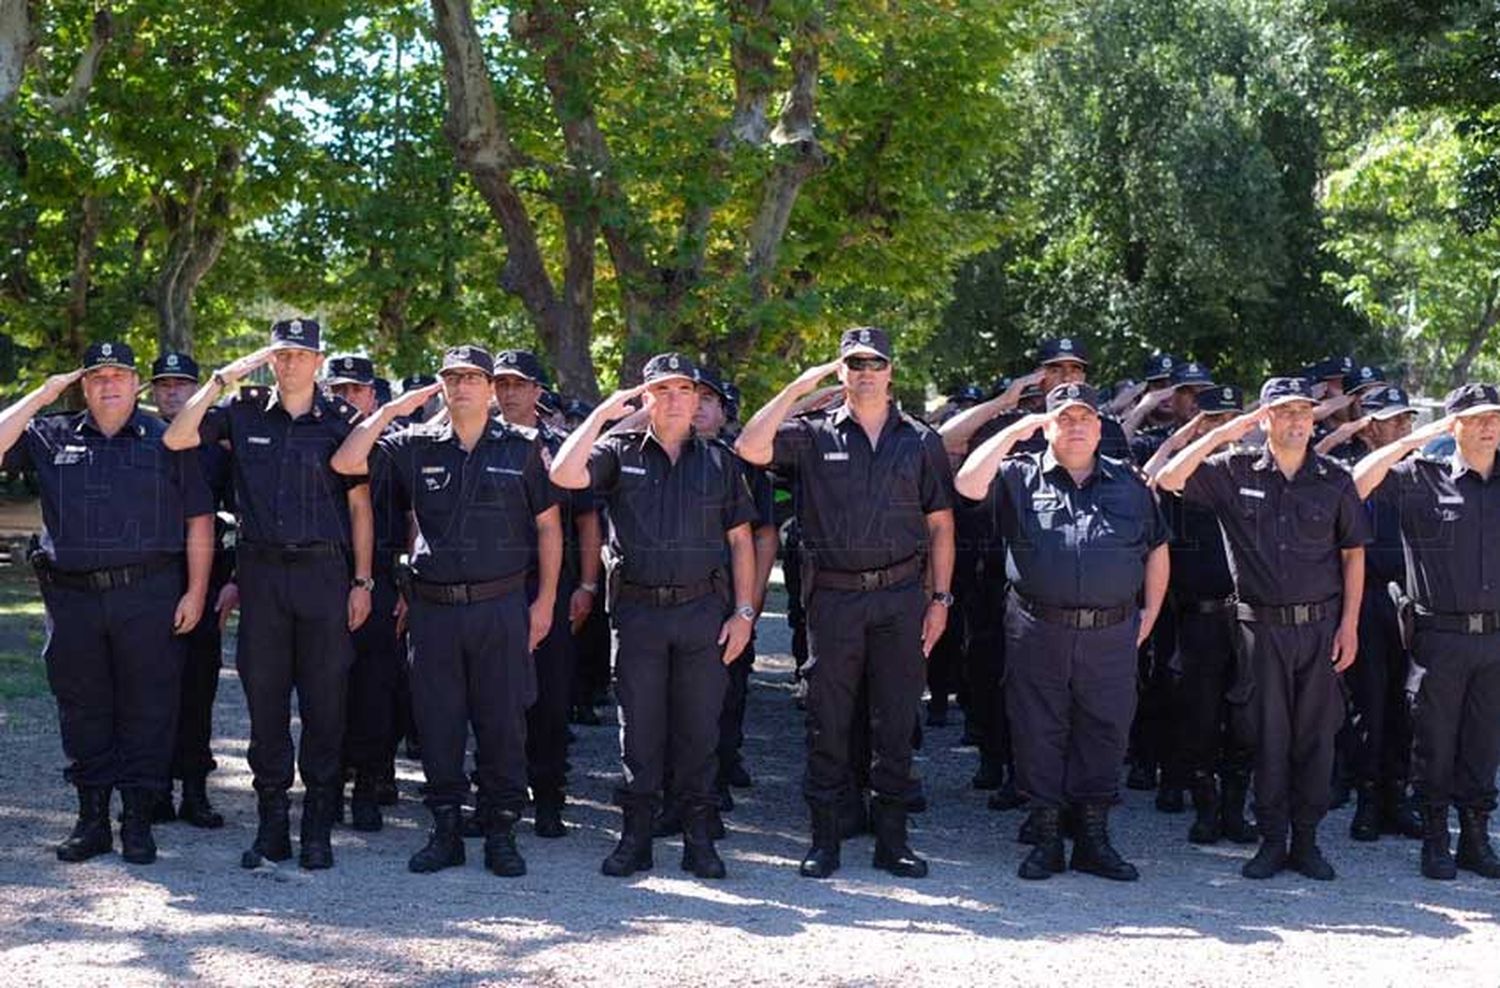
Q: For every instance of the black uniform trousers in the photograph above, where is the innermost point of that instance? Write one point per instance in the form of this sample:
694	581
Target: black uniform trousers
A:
374	680
294	634
547	717
736	700
470	667
1377	681
1156	686
863	644
1071	694
985	658
1209	700
670	682
203	657
591	648
115	667
1296	707
1455	689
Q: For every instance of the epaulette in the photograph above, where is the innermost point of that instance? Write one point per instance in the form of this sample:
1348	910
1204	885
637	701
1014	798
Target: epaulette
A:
915	423
341	408
526	432
427	430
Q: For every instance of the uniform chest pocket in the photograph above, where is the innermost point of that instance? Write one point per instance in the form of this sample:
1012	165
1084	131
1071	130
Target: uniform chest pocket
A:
1432	524
496	485
1120	519
1313	521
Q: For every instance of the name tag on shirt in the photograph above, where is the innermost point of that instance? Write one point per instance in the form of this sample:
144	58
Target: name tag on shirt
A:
1252	492
505	470
836	457
1450	499
434	469
638	471
258	440
69	455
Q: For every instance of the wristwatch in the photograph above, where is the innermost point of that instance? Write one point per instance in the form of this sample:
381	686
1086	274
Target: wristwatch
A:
745	611
592	588
363	583
218	378
942	597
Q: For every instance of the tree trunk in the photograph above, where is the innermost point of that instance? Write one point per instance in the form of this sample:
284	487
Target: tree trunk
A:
15	48
195	238
1479	335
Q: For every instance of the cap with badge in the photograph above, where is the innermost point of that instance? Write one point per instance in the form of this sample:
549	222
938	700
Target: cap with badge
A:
1385	403
349	368
1062	349
109	354
297	334
1221	398
668	366
520	363
468	357
968	394
1285	391
174	364
1472	399
1329	369
549	402
1066	395
1192	375
1158	367
865	341
1363	378
414	381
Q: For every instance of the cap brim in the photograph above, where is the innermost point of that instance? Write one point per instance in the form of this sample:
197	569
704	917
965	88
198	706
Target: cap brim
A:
449	368
672	376
862	350
1392	411
348	380
108	364
513	372
293	345
1476	410
1071	402
1287	400
1066	358
174	375
1199	385
1367	386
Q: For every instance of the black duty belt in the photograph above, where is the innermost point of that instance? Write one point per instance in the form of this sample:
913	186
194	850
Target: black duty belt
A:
1475	623
1208	605
113	578
291	552
454	594
665	596
1081	618
870	579
1288	614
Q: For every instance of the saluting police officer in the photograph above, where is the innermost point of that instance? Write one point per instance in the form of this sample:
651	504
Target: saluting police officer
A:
1449	508
519	383
486	519
875	507
1083	535
119	510
674	500
370	725
1296	533
300	594
1212	743
174	378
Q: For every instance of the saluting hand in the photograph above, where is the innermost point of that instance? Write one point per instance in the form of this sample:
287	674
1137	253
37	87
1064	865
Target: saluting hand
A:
1241	426
54	386
934	623
808	380
617	405
189	613
412	400
236	369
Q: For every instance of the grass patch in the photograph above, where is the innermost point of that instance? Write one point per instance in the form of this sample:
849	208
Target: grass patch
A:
22	632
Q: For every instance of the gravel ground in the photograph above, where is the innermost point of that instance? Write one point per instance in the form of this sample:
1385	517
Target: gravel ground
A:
195	916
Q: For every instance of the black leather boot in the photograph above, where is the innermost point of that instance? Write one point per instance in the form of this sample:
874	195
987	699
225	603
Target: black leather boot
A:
136	843
1007	797
822	859
547	821
1306	857
273	836
698	854
91	835
445	843
1474	851
1048	857
500	854
633	853
1093	854
854	816
364	805
892	853
1365	826
195	809
1169	798
315	841
1270	858
1232	823
1400	813
1206	828
1437	856
668	822
1141	777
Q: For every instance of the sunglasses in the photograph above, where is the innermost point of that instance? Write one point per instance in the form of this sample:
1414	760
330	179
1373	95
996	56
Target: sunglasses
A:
867	363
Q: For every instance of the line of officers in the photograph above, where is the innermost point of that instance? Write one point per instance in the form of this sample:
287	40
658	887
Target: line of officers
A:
1266	582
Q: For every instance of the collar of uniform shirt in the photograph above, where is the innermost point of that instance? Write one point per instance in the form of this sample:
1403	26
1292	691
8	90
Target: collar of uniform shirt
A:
494	428
649	433
1102	469
1266	461
316	409
844	413
134	423
1458	466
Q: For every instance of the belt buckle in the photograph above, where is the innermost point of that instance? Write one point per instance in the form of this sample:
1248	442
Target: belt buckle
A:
870	580
1087	619
663	596
457	593
1301	613
1476	623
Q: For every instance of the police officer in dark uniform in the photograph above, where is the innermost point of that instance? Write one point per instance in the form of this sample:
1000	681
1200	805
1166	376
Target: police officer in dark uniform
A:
1296	533
373	681
301	595
1214	747
519	384
1378	756
674	500
174	378
1449	506
486	519
875	505
119	510
1084	536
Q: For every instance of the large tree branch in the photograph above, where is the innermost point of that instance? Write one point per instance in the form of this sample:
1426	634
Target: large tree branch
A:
15	47
87	68
1479	334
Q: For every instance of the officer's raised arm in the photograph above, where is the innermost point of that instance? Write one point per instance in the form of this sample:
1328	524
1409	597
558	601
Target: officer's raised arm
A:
1174	476
974	477
570	468
757	442
958	430
13	420
182	433
352	458
1370	472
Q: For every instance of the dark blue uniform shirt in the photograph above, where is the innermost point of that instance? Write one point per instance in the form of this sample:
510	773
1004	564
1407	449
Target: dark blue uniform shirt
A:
861	508
1076	546
285	491
476	510
571	506
1450	523
667	521
1385	558
110	501
1285	536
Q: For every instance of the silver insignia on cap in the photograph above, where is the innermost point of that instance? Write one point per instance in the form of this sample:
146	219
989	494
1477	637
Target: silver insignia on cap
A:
1166	362
672	363
1229	394
171	360
295	329
107	350
864	336
1065	344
